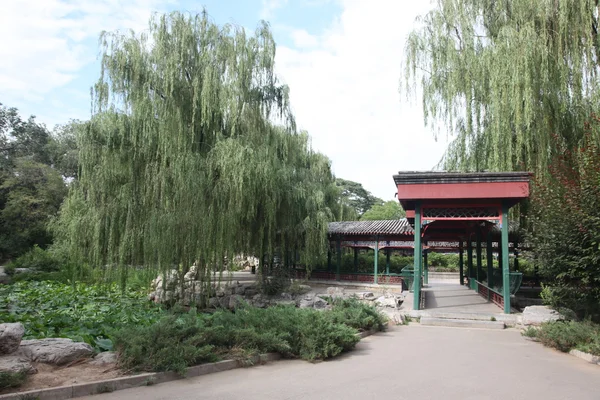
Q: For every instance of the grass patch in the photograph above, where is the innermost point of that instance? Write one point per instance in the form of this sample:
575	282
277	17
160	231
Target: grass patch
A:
11	380
568	335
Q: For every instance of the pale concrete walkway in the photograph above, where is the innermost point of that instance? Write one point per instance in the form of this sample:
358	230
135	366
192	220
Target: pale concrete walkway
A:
409	362
453	297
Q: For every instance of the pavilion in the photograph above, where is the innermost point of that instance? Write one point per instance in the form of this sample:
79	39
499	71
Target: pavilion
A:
445	212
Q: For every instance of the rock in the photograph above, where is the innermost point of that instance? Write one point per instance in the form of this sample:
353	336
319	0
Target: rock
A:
320	304
236	301
4	278
302	289
16	364
57	351
104	358
285	303
23	270
213	302
306	303
390	300
537	315
286	296
240	290
393	316
224	301
260	301
192	274
365	296
250	291
336	291
10	337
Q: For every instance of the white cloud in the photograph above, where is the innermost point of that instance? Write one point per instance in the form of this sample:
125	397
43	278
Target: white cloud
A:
269	7
43	40
344	90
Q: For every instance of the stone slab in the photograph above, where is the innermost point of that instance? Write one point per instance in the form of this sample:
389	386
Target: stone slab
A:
592	359
461	323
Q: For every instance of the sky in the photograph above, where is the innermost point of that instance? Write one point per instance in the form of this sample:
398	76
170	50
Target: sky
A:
340	58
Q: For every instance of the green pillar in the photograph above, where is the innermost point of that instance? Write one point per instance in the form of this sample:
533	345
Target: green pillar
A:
355	259
329	257
338	244
490	263
460	262
469	259
425	267
376	257
388	251
418	258
505	271
516	253
479	260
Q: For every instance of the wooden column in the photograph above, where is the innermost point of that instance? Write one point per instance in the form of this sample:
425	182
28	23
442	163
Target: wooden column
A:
376	258
418	254
338	246
505	266
479	258
460	262
490	264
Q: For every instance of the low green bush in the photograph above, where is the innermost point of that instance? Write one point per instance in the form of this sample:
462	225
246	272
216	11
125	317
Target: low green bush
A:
10	380
357	315
176	342
36	259
568	335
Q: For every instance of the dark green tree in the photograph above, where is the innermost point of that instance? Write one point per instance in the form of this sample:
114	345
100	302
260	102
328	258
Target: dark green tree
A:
355	196
386	211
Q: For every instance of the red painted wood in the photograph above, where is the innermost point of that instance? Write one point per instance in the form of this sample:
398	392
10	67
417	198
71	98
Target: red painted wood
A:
478	190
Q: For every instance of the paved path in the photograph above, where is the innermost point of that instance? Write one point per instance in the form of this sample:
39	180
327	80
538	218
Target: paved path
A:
453	297
408	362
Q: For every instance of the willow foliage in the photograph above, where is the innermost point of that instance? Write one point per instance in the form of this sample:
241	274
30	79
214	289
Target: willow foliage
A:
503	76
192	155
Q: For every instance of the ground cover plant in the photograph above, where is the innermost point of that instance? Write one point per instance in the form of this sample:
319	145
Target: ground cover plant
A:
568	335
81	312
178	341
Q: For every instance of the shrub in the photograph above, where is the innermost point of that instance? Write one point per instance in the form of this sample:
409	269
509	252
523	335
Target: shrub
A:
357	315
36	259
9	380
176	342
171	344
565	336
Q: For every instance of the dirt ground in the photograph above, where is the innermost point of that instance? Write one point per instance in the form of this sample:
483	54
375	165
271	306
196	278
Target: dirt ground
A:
51	376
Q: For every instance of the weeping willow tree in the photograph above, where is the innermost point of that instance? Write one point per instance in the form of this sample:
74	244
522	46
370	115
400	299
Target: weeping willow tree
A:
502	77
192	155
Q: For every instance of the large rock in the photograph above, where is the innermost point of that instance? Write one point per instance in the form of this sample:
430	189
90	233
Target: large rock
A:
16	364
537	315
336	291
260	301
10	337
54	351
320	303
105	358
389	300
365	295
236	301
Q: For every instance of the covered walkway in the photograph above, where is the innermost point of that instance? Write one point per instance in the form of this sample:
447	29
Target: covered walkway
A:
456	298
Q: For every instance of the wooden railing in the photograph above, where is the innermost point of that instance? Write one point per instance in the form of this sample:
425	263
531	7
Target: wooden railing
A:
490	294
390	279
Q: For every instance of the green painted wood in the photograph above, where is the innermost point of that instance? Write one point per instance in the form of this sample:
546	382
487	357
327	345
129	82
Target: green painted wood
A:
479	275
376	258
355	259
388	252
329	258
425	268
418	258
505	267
470	258
339	258
490	263
461	263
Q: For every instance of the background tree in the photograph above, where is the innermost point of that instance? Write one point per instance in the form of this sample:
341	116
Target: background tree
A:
503	76
355	196
566	221
31	190
386	211
204	160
